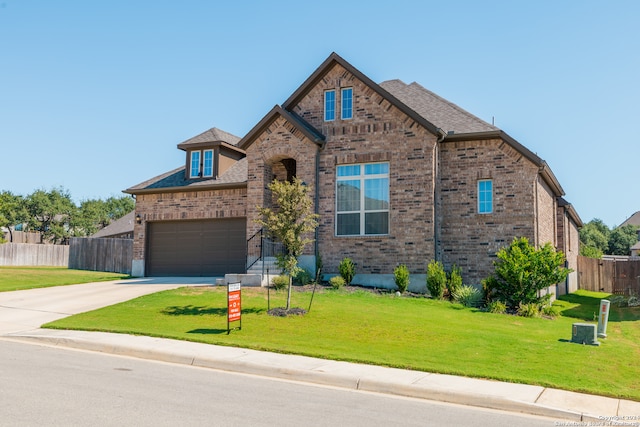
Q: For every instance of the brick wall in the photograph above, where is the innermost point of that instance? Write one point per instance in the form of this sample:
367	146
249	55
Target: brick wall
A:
377	132
188	205
467	238
546	211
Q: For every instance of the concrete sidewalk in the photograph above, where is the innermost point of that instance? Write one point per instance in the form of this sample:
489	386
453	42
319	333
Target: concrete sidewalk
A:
447	388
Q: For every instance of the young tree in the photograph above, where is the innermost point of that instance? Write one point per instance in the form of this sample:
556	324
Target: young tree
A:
289	221
522	270
12	211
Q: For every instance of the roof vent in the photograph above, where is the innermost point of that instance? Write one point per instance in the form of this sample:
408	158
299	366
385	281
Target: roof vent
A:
451	132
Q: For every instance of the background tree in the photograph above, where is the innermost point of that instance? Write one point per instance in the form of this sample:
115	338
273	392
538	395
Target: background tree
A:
289	221
594	239
94	214
49	212
621	239
521	271
12	211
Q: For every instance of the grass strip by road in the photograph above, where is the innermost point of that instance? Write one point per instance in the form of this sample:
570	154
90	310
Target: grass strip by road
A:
403	332
18	278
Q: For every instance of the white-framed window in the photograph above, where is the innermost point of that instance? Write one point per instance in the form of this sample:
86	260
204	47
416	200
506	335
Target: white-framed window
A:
207	163
194	166
485	196
346	96
329	105
362	199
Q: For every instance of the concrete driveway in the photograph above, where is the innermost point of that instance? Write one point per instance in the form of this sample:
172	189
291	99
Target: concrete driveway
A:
26	310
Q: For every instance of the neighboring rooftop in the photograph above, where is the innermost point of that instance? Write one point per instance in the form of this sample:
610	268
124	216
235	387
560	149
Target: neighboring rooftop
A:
633	220
442	113
118	227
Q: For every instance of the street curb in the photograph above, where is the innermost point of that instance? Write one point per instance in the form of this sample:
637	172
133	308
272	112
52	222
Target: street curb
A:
413	384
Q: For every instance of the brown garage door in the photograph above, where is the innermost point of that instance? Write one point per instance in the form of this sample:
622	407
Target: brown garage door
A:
196	248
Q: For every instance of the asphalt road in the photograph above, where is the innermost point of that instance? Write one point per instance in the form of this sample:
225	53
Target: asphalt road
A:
60	387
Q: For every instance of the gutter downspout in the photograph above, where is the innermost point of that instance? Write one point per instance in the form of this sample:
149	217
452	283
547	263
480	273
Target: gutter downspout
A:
436	195
316	205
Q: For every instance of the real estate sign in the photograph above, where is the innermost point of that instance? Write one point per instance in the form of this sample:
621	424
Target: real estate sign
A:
234	304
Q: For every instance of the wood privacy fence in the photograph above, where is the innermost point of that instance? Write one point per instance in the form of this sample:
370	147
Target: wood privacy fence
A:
611	276
113	255
31	254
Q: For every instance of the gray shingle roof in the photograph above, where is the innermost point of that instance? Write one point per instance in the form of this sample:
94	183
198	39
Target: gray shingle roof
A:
120	226
442	113
212	135
236	174
632	220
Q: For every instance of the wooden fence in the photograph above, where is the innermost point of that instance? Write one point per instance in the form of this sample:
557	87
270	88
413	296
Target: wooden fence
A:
114	255
31	254
611	276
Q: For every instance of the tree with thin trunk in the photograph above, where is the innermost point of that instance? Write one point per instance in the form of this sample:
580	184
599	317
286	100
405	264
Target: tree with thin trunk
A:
290	221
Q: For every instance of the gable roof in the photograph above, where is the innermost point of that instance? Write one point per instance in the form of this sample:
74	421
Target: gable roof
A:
175	180
309	131
632	220
442	113
122	225
209	136
328	64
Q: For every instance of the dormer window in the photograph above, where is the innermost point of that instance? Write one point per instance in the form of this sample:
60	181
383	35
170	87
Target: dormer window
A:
195	165
201	164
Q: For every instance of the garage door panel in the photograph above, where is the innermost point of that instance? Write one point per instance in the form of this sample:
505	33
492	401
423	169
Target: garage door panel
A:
196	248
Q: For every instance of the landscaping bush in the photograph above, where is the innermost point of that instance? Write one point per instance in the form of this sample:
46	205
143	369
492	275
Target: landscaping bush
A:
497	307
303	277
401	277
337	282
531	309
468	296
347	270
454	281
551	311
521	271
436	279
280	282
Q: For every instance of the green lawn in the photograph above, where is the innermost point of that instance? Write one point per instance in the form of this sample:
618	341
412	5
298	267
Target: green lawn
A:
17	278
405	332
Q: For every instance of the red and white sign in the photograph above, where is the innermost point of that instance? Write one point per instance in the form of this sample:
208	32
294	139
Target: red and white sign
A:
234	302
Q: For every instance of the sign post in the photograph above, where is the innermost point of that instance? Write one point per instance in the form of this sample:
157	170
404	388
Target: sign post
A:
234	305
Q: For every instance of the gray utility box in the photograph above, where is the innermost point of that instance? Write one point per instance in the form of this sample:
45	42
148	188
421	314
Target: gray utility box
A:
584	333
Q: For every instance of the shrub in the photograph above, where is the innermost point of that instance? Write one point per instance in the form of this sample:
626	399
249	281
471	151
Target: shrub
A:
531	309
436	279
550	311
521	271
497	307
401	277
303	277
454	281
280	282
337	282
468	296
347	270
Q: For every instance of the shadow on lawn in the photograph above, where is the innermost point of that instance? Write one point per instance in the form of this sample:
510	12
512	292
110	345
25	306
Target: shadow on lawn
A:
588	308
193	310
208	331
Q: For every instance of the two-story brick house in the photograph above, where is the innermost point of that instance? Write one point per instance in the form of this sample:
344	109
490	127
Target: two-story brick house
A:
397	174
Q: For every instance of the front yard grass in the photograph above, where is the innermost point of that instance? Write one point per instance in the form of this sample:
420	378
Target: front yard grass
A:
403	332
18	278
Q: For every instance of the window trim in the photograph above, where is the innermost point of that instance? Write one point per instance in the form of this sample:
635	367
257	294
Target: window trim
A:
194	172
326	105
342	103
483	203
362	211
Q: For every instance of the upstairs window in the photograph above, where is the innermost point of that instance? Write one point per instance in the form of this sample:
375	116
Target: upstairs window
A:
347	103
194	167
329	105
207	163
485	196
362	199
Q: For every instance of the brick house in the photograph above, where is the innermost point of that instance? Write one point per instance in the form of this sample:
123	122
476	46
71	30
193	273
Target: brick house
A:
398	175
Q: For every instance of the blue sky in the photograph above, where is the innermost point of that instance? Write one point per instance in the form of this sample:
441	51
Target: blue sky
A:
95	95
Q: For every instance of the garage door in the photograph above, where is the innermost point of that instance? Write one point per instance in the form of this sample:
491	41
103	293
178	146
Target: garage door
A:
196	248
